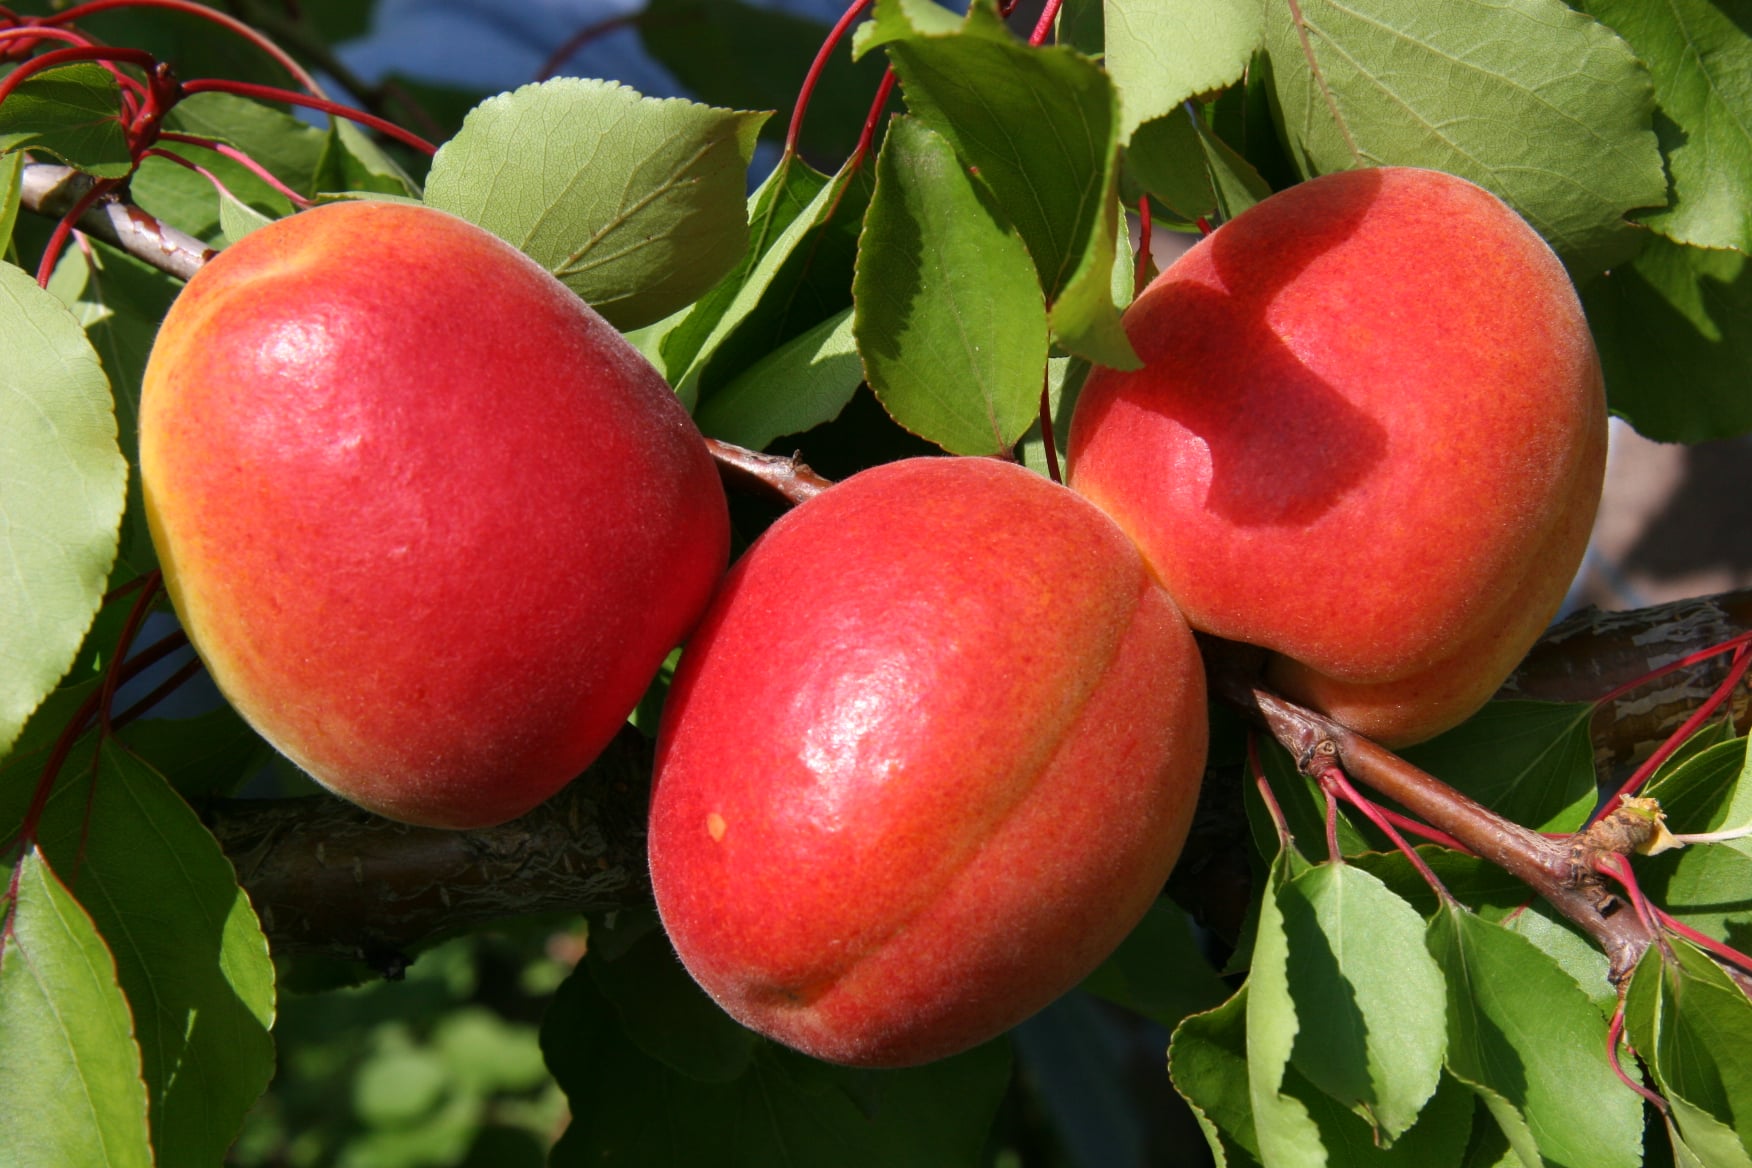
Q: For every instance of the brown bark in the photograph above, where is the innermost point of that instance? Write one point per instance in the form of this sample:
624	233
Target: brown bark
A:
329	878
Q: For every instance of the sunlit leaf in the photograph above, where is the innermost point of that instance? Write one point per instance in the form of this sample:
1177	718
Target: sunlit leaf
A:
72	112
791	191
949	317
797	274
636	203
1523	1035
801	384
351	161
1700	54
62	487
287	148
70	1089
11	192
1040	127
1161	52
1692	1025
1207	1062
1368	997
1527	98
189	952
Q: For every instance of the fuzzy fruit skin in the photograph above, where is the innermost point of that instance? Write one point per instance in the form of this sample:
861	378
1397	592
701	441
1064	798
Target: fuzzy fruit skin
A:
1369	435
430	521
928	759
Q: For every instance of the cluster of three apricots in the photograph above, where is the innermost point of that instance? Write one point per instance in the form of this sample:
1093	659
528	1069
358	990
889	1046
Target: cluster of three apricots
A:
936	738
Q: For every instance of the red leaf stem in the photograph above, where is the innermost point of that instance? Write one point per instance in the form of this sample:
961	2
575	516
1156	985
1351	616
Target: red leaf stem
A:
230	23
1048	15
1047	439
1742	660
1333	779
238	156
64	228
1614	1032
807	89
321	104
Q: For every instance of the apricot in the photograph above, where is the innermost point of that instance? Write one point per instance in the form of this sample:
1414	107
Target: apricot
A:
1368	436
431	523
929	757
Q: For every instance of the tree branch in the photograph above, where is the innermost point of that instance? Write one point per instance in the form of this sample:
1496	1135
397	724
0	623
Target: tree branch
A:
329	878
51	190
1548	866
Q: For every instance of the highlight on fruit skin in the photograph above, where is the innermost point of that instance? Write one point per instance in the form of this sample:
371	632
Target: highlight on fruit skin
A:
928	759
1369	435
431	523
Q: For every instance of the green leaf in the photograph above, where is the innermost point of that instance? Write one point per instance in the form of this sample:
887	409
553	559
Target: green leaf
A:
62	487
1692	1025
949	317
119	301
804	382
1207	1061
797	274
1700	54
289	149
1523	1035
1559	939
189	952
1040	127
1527	98
72	112
237	218
209	754
630	1108
637	204
1368	997
351	161
70	1089
11	196
898	20
1162	52
1532	762
1674	330
1287	1133
1234	180
1297	974
788	205
1708	886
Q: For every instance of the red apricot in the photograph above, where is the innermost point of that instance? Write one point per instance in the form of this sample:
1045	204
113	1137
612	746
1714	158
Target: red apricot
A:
928	759
430	521
1368	435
